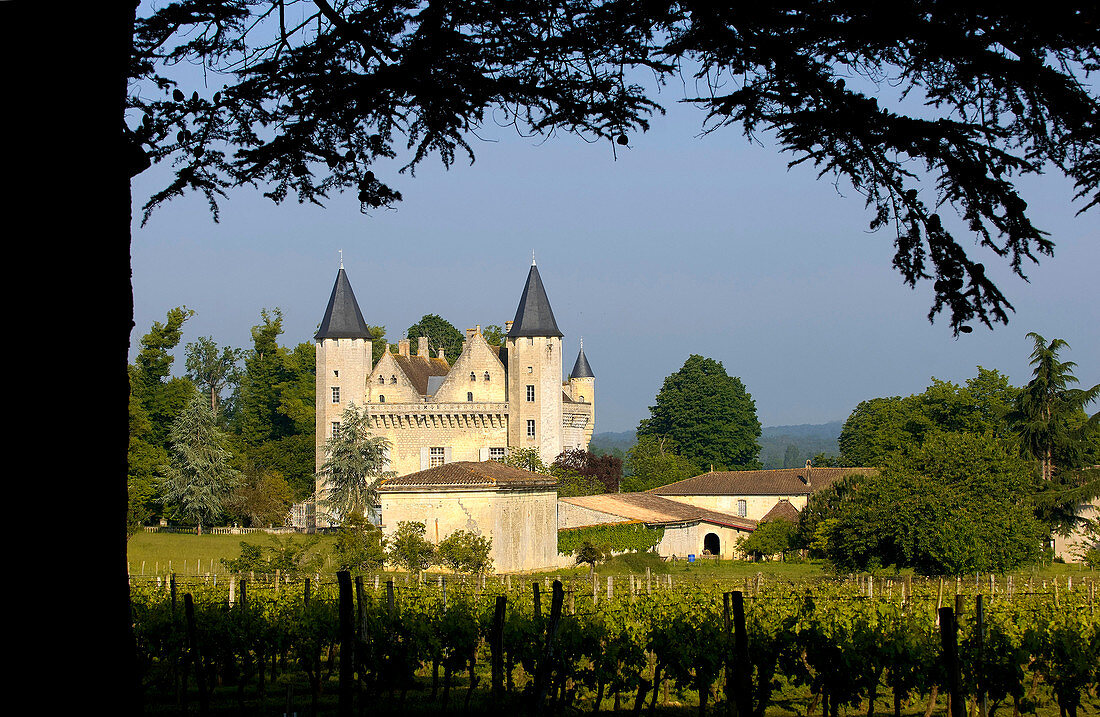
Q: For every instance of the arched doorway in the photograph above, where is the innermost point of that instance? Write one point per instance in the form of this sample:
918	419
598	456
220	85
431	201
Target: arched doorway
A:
711	544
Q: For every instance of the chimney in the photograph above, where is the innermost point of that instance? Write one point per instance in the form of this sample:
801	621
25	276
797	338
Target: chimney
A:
809	469
470	334
440	354
403	347
422	346
477	328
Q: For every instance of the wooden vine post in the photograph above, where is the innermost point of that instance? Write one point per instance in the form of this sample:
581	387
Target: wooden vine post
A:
496	646
950	640
347	644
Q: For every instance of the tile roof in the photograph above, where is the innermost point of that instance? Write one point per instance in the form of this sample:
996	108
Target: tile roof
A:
462	474
342	320
783	510
779	481
650	508
419	368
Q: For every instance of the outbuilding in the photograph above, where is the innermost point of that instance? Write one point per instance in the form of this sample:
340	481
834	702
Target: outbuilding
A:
517	509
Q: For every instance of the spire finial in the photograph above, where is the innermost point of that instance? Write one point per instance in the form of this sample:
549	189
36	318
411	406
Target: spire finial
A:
582	343
532	257
341	258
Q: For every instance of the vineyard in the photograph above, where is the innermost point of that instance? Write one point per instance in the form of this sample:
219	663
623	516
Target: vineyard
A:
271	645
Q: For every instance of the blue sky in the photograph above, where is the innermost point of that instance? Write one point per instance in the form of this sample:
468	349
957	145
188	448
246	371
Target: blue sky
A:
681	244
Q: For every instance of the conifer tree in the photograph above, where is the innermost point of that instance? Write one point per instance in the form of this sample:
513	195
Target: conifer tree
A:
199	475
352	468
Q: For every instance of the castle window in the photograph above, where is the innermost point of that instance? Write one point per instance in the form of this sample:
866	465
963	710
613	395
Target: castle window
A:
393	379
531	428
336	394
473	376
436	457
582	398
530	340
742	508
530	393
335	430
486	375
496	454
530	369
469	395
381	380
336	373
381	398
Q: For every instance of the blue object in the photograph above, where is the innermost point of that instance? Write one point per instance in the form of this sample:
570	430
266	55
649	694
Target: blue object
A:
691	558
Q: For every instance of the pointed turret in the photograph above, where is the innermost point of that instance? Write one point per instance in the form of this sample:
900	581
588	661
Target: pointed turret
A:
343	320
581	369
534	317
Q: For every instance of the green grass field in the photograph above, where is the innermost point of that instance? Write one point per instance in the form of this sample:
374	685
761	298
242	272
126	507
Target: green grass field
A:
162	553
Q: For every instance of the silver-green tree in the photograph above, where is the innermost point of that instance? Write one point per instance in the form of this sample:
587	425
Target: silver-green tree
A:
352	468
199	476
212	369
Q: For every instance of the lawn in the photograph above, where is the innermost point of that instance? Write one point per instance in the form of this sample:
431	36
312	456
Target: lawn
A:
153	553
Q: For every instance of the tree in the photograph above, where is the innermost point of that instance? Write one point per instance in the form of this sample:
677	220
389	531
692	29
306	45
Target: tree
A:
465	552
408	548
592	554
957	503
653	462
527	459
605	472
261	498
441	334
881	426
359	546
772	537
1049	417
199	477
1049	413
494	334
709	415
273	407
212	370
352	467
830	80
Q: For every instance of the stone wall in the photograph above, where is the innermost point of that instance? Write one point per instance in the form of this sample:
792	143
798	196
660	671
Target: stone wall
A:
521	523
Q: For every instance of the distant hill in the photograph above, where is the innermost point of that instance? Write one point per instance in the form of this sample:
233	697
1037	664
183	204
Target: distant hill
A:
807	439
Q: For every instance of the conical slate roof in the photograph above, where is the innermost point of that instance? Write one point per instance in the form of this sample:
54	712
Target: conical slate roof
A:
343	320
534	317
581	369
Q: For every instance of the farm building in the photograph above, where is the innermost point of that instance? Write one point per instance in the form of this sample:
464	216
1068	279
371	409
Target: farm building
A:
688	530
514	507
752	494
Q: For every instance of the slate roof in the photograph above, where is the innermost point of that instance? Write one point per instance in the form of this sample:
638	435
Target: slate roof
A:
467	474
343	320
779	481
654	509
581	369
534	317
420	368
783	510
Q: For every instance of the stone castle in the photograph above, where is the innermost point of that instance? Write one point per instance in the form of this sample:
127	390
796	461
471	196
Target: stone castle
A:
488	401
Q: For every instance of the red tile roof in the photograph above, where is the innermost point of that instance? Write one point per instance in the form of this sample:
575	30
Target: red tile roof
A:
462	474
654	509
781	481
